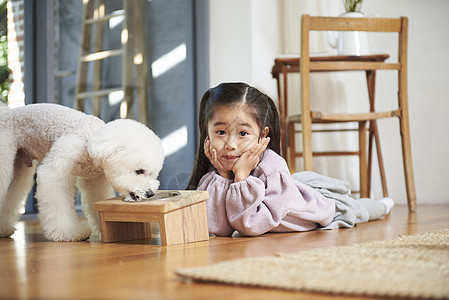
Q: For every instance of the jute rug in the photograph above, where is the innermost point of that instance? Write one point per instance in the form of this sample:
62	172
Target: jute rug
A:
411	266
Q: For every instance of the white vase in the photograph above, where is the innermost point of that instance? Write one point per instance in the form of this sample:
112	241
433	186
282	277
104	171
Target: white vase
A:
349	42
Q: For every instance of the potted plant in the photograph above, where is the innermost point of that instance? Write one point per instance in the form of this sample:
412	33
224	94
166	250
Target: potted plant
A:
350	42
352	5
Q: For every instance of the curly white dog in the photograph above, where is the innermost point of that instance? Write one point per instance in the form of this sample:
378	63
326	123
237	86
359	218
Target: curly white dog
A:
73	150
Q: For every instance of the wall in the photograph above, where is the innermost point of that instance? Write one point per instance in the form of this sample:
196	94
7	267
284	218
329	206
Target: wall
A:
244	39
246	36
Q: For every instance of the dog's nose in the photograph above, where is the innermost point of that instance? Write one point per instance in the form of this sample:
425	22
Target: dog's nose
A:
149	194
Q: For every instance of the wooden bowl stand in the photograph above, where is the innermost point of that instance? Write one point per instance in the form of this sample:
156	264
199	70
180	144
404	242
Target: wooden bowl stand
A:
182	219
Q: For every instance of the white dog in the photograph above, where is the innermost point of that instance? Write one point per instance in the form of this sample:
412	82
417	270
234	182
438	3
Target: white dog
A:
73	150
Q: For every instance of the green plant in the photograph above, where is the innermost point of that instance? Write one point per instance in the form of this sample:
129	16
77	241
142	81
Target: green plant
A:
352	5
4	70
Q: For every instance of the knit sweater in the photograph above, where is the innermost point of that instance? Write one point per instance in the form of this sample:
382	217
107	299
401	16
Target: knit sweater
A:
269	200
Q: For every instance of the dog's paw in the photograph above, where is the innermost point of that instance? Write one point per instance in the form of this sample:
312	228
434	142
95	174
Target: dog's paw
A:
75	233
95	236
7	232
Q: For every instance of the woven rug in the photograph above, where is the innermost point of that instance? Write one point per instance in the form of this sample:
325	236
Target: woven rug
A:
411	266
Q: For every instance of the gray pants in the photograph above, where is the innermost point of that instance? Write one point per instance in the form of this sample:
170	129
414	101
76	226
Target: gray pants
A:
348	211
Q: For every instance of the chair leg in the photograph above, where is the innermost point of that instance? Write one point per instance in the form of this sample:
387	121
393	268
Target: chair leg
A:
370	154
291	147
374	132
403	119
307	143
283	109
362	161
408	164
383	178
306	118
374	135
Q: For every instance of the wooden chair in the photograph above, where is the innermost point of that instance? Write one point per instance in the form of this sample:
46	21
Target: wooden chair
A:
307	117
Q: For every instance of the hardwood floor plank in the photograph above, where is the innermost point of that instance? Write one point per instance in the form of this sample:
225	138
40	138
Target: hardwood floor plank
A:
32	267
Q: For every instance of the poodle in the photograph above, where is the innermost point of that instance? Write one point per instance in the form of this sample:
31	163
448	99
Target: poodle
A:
68	150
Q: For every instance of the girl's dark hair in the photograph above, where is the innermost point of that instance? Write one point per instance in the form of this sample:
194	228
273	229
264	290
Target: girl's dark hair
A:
262	109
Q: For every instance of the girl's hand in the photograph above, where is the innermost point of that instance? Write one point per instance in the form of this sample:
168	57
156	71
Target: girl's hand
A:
211	154
249	160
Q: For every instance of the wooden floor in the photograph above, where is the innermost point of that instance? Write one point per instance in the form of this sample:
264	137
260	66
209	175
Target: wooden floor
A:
33	268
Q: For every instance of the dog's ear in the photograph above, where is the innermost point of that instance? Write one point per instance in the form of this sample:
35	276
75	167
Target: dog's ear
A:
101	146
115	138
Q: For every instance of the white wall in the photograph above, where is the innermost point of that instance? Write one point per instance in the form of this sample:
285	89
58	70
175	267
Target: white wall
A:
244	39
246	36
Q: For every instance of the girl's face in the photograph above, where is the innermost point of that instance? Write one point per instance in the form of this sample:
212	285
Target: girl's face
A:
232	131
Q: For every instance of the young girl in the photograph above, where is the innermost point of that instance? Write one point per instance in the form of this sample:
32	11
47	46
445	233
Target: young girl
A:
250	187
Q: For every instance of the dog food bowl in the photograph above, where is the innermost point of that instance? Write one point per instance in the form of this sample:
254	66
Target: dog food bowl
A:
157	196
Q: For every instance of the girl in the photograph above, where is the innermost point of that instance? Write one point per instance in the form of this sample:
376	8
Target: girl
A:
250	187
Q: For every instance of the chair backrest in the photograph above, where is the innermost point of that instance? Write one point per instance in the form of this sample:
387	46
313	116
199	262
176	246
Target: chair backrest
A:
392	25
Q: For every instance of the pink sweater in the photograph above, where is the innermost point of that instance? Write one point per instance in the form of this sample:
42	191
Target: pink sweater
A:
268	200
